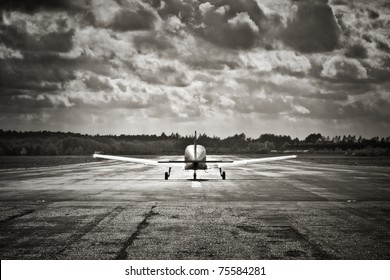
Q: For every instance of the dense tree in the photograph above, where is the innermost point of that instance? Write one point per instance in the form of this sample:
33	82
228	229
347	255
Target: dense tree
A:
59	143
313	138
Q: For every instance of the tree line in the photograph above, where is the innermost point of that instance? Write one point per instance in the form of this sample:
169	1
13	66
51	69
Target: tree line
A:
14	143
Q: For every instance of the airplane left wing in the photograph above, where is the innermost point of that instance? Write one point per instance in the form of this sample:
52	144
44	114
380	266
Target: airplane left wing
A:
128	159
141	160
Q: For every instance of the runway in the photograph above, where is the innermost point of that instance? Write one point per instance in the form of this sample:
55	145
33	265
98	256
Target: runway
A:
280	210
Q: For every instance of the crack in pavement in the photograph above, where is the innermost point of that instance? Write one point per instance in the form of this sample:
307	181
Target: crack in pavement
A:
317	250
122	255
89	227
24	213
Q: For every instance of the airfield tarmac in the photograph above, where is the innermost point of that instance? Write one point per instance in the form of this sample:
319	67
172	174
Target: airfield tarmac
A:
113	210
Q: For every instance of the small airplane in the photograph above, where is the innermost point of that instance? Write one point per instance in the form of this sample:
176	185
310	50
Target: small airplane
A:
195	159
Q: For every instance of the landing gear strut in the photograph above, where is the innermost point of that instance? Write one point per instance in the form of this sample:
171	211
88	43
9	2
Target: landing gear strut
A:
223	174
167	174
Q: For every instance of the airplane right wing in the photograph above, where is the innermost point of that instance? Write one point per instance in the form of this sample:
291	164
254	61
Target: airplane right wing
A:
253	161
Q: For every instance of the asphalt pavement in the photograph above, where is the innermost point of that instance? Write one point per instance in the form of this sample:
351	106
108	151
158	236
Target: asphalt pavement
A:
114	210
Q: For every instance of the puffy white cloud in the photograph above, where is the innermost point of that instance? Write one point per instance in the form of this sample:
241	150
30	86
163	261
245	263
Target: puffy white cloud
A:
104	11
243	20
266	61
205	8
339	67
9	53
173	24
226	103
301	110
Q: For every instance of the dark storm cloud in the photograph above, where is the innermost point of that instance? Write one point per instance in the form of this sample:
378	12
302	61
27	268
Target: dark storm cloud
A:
357	108
313	29
94	83
140	19
382	46
33	70
236	24
31	6
356	51
376	109
14	38
239	32
242	24
372	14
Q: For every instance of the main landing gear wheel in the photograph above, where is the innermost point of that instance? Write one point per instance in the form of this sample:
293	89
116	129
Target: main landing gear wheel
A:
223	174
167	174
194	176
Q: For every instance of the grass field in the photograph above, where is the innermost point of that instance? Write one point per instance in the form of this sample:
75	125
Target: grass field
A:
13	162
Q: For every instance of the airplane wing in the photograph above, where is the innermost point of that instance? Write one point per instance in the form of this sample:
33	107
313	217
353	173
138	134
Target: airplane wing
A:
252	161
141	160
127	159
180	163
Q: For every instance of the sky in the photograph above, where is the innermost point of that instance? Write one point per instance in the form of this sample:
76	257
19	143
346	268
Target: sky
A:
220	67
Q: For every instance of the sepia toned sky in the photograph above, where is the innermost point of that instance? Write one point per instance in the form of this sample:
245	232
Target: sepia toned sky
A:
221	67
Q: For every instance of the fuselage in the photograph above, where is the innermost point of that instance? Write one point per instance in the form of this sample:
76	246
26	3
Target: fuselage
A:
196	154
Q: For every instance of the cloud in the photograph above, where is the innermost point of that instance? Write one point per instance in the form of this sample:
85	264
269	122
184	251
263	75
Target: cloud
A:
363	36
51	42
276	66
97	84
139	19
37	5
155	70
100	44
342	68
232	24
313	28
226	103
167	8
173	24
356	51
301	110
35	73
279	61
9	53
226	23
42	101
152	41
242	20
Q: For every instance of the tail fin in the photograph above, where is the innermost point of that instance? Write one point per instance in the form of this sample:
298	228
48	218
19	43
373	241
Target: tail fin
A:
195	154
